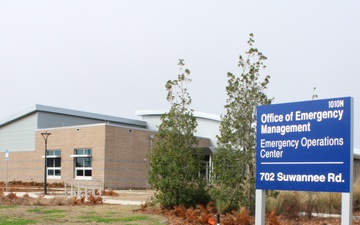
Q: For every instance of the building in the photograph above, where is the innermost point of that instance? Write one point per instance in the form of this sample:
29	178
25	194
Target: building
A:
92	147
83	146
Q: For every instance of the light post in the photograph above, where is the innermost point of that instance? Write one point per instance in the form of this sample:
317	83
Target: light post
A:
45	136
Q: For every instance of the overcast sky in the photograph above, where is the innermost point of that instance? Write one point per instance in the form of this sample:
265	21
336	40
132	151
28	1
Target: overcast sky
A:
114	57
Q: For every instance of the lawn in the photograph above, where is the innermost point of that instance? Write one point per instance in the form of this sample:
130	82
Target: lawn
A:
84	214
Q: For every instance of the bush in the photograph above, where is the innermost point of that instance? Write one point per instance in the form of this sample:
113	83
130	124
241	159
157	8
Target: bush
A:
12	195
271	217
309	204
223	206
356	196
93	199
225	199
291	205
188	196
206	215
273	205
328	202
62	201
109	192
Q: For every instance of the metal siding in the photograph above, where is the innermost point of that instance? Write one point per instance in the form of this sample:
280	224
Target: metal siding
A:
19	135
49	120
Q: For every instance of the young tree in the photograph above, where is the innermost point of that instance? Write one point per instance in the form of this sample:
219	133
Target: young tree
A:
234	161
174	168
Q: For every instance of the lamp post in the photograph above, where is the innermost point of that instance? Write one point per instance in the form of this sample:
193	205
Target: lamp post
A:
45	136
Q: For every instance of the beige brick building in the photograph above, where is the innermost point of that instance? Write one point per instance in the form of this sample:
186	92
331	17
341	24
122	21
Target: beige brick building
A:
81	146
106	150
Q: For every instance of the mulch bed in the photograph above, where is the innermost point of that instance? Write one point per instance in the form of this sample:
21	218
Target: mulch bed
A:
176	220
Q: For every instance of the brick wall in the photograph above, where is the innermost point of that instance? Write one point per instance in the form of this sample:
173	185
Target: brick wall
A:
126	162
119	155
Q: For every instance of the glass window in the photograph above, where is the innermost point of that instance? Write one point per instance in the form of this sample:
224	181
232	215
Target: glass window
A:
57	162
79	162
54	164
88	172
79	152
83	164
53	152
87	162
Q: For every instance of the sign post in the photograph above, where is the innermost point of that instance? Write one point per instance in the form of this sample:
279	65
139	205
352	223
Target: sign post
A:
7	163
306	146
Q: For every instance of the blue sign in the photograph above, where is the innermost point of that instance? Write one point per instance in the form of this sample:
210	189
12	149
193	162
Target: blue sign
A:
305	146
6	154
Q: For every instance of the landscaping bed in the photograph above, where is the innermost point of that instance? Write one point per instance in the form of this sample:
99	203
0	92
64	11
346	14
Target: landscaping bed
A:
179	215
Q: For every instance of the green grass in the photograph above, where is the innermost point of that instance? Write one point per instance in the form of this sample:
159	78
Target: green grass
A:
99	214
100	219
6	206
133	218
55	216
36	210
42	211
50	214
6	220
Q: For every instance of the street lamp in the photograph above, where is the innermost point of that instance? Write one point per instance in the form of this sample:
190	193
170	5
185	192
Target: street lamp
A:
45	136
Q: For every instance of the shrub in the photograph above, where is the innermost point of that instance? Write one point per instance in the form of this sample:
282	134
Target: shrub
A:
243	217
12	195
272	218
13	189
273	204
201	214
356	196
190	214
309	204
75	200
328	202
93	199
82	199
41	202
109	192
291	205
225	201
236	218
61	201
23	201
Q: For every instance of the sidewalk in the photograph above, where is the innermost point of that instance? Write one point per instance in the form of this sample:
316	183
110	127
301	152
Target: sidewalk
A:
106	199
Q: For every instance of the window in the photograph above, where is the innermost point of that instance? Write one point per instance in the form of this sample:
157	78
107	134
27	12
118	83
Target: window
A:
53	160
83	163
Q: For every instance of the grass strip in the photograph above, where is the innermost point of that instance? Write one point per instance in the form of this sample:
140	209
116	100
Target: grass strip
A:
6	206
99	219
6	220
50	211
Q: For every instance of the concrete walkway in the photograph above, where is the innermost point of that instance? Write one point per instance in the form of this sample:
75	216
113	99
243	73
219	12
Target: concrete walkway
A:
120	202
106	199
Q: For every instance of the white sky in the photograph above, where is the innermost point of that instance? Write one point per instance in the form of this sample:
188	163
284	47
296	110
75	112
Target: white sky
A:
114	57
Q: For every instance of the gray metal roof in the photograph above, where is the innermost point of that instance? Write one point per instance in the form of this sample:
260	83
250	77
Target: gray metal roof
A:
196	114
70	112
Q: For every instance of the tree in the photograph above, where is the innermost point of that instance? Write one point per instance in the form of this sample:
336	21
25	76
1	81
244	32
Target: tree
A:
174	168
234	161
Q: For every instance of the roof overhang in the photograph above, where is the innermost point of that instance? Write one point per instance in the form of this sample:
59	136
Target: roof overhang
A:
159	113
70	112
